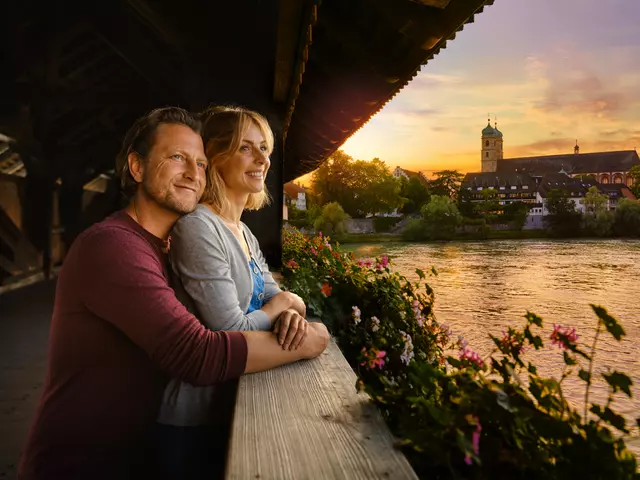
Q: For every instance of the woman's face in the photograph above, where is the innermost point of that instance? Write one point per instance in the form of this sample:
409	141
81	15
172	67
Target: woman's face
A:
246	169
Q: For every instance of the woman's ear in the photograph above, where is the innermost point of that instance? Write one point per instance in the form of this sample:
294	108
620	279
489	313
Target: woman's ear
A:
136	168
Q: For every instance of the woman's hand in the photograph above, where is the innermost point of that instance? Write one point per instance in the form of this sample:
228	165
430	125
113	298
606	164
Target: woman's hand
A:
297	304
291	329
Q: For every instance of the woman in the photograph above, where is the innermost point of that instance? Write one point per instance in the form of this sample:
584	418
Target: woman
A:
222	276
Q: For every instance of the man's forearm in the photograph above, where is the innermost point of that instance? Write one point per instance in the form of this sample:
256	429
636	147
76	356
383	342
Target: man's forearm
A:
264	351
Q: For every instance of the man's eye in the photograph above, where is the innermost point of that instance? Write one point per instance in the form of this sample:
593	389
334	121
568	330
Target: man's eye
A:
177	156
202	165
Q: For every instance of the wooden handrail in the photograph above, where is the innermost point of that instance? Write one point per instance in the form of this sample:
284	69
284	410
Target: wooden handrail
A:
306	421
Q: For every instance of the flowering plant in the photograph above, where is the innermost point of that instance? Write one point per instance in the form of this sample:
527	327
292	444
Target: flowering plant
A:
460	415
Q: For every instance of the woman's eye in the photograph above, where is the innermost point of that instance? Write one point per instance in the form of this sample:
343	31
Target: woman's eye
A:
263	148
244	148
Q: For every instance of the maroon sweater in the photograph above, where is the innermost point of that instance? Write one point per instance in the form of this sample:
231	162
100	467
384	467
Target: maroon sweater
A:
117	334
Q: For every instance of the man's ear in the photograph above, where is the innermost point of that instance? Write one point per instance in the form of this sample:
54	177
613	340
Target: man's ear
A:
136	168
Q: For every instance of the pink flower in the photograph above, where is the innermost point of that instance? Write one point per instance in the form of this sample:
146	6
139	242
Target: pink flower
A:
471	357
475	438
511	342
374	358
320	234
292	263
367	262
384	261
564	337
314	251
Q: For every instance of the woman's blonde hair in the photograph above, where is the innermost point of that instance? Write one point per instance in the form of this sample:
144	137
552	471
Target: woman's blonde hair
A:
223	128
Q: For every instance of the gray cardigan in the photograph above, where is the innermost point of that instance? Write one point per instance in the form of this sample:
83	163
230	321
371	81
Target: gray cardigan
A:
212	278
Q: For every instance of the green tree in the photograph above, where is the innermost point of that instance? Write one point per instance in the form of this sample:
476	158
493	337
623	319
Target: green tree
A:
360	187
332	219
488	207
441	218
516	213
634	173
447	183
597	219
415	193
627	218
563	219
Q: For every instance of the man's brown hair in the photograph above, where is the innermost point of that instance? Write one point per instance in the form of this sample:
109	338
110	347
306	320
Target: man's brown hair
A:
141	137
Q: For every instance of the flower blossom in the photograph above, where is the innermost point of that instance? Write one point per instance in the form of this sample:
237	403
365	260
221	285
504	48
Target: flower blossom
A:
384	261
375	324
475	442
462	342
407	354
292	263
374	358
511	342
472	357
356	314
367	262
313	251
564	337
326	289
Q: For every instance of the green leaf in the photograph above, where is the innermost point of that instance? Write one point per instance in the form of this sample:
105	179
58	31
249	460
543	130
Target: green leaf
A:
420	273
454	362
534	319
434	271
610	323
584	375
532	369
619	381
609	416
568	359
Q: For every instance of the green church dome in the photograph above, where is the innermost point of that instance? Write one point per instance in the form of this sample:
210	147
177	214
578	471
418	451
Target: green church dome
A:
489	131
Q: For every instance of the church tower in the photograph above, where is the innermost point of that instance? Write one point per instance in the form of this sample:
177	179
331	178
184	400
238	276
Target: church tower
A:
491	147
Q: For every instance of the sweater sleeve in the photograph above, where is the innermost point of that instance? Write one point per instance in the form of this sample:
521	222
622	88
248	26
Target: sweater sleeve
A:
271	287
200	262
126	287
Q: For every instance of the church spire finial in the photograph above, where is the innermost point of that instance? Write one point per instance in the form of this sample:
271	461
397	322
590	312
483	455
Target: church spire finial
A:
576	149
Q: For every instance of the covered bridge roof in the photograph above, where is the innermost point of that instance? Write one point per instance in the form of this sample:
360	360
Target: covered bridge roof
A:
75	78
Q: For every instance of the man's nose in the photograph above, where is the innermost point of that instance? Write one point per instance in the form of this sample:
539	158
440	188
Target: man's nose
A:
191	171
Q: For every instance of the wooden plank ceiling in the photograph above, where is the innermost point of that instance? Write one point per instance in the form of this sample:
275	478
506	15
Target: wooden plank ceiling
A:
74	79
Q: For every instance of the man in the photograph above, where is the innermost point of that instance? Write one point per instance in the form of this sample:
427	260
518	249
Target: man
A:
118	332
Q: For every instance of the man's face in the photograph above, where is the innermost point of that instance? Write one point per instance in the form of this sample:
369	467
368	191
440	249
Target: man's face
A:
174	173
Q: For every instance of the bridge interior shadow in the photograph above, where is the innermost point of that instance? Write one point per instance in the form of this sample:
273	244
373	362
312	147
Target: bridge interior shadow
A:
25	316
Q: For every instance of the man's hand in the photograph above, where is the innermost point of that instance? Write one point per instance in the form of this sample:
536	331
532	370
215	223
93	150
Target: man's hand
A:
291	329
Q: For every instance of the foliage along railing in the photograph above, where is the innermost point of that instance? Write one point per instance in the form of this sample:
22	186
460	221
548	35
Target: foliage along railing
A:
463	417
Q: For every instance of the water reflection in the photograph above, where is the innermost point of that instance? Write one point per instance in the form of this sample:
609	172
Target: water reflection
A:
483	287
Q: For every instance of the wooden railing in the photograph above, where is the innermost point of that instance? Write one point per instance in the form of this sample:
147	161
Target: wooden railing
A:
306	421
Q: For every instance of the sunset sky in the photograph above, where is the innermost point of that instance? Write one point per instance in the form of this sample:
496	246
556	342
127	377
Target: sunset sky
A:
551	71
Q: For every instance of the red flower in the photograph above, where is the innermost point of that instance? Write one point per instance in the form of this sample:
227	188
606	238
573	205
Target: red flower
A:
326	289
292	264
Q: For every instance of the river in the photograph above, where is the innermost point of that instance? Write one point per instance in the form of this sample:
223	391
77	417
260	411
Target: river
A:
484	287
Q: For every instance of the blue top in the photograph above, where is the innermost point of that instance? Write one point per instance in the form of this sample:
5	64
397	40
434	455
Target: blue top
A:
257	296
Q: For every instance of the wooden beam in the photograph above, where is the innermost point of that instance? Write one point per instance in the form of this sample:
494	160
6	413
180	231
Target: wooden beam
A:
289	21
306	421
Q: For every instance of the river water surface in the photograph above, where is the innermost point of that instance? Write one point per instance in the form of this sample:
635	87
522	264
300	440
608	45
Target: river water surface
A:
483	287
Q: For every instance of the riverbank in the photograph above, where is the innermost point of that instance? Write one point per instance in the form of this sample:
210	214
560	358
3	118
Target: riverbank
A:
460	237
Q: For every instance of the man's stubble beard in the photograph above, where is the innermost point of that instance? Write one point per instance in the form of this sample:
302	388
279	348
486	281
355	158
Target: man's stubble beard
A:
166	199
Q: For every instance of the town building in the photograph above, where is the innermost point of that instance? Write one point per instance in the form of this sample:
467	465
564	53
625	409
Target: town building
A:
400	173
530	179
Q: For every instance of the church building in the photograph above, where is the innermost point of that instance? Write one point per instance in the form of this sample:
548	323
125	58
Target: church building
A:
605	167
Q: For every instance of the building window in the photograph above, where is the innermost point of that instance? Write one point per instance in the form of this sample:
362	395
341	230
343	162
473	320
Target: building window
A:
617	178
604	179
486	144
486	154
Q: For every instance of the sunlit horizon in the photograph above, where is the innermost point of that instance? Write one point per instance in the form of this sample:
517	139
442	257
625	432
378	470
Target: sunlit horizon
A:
549	72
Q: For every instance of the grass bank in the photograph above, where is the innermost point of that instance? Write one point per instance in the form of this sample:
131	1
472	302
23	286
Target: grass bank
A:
366	238
469	236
